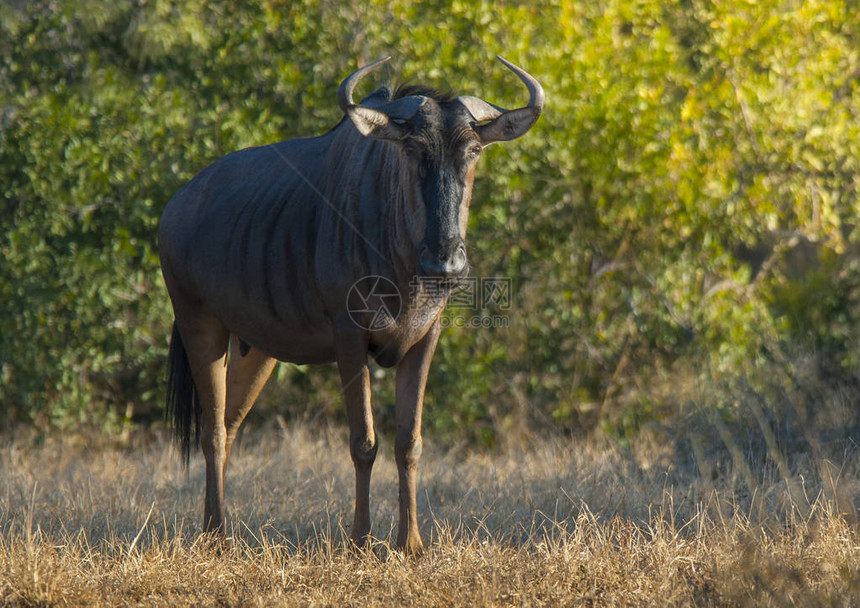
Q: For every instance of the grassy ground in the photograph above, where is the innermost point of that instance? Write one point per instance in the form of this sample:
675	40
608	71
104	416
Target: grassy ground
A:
556	523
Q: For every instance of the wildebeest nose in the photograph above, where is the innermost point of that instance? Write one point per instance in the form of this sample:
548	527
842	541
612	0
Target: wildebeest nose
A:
445	263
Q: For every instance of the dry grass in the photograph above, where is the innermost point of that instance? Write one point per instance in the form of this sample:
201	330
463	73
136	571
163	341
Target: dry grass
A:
558	524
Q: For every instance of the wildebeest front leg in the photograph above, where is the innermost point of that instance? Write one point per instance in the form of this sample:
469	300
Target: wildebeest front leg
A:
409	401
352	363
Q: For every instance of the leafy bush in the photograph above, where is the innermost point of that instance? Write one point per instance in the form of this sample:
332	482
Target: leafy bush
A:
682	220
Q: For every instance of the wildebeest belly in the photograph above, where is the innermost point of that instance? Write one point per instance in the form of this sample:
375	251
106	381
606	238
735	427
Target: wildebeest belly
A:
301	346
280	321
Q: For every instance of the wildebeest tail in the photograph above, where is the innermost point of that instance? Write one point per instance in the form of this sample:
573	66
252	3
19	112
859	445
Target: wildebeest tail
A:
183	404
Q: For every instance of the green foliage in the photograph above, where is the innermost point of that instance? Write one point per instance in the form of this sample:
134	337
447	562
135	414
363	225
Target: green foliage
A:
683	215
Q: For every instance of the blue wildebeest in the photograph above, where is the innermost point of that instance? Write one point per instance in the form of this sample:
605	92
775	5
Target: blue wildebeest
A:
260	251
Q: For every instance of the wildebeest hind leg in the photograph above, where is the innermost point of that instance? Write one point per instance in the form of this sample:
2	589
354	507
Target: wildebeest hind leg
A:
205	339
247	374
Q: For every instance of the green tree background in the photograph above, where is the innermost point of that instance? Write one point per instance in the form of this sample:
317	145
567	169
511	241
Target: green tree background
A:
681	226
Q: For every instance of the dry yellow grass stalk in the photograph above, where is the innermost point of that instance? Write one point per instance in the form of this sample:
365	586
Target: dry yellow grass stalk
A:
558	524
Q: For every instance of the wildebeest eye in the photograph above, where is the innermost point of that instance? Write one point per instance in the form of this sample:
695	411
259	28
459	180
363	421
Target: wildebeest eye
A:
474	151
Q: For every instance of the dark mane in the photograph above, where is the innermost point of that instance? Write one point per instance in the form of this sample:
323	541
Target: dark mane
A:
405	90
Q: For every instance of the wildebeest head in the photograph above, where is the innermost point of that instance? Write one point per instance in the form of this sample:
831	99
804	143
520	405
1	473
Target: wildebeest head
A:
442	137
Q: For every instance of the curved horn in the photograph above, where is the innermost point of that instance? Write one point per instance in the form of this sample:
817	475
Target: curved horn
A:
506	124
344	91
536	96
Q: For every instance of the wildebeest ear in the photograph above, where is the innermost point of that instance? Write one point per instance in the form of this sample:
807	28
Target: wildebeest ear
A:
373	123
510	125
